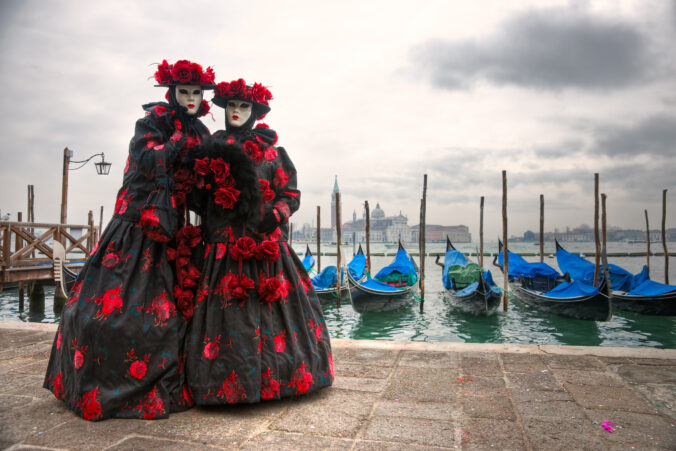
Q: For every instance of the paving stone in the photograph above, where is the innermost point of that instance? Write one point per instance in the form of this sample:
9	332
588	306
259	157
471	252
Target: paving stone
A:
366	445
77	433
360	384
580	377
329	412
411	430
542	381
574	362
135	443
28	385
33	350
422	384
8	402
275	441
423	410
547	434
480	366
343	369
16	425
498	407
642	374
550	409
655	362
429	359
220	425
529	395
482	433
376	357
663	396
594	397
635	429
522	363
481	386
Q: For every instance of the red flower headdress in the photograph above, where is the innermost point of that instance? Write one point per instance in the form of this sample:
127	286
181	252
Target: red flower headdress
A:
257	94
184	72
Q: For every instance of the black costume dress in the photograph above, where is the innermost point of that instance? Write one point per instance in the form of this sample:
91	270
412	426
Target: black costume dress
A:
118	348
258	331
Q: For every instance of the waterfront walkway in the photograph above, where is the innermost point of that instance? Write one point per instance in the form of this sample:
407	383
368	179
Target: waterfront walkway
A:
387	396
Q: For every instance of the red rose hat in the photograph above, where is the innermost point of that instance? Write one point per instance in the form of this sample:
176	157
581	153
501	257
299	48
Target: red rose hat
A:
184	72
257	94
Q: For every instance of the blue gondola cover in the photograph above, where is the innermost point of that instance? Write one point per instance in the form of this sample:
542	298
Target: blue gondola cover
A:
357	266
572	289
518	267
325	279
651	288
402	264
583	270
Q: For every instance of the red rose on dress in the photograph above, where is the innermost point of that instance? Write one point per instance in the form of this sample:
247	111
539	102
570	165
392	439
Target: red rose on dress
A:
110	259
204	108
149	217
91	407
151	405
301	379
161	309
220	168
270	153
178	198
280	343
201	166
111	301
268	250
271	289
269	386
233	287
160	110
268	193
232	389
190	235
58	341
244	248
121	203
138	369
58	386
253	151
281	179
210	350
182	72
78	359
220	250
226	197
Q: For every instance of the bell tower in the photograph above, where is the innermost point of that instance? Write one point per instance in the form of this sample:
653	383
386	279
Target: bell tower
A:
333	203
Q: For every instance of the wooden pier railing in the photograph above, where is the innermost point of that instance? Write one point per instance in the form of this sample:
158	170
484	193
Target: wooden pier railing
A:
26	251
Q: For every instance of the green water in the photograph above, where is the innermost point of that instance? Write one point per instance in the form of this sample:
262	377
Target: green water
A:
440	321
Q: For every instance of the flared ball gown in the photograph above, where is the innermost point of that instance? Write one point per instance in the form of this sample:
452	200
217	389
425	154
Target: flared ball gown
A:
258	330
118	348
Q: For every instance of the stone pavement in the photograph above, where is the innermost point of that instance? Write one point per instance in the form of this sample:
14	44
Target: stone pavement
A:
387	395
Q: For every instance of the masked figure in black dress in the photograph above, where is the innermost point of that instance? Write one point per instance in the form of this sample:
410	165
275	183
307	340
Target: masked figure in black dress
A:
258	331
118	349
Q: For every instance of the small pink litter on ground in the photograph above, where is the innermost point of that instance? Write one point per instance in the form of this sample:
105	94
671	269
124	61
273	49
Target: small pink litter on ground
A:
464	379
608	425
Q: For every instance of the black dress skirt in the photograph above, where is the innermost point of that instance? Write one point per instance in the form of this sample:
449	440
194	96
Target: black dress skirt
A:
118	348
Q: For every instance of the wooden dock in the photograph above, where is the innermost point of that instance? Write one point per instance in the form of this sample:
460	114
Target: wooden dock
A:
27	253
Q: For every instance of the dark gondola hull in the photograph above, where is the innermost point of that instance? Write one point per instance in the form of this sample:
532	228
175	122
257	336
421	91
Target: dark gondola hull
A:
664	304
366	300
595	308
477	302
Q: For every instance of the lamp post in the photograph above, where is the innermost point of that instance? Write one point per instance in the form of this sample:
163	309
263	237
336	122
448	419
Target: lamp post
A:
102	168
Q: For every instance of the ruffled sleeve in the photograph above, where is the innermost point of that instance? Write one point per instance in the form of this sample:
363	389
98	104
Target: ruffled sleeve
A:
286	200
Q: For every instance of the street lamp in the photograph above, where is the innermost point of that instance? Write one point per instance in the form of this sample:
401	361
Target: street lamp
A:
102	168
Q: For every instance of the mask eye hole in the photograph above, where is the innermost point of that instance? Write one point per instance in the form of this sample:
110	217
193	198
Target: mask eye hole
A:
197	92
183	91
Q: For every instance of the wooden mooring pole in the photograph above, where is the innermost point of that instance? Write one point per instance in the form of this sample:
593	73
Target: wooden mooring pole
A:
339	274
319	239
423	213
368	238
505	253
542	227
481	233
647	240
664	237
18	244
597	260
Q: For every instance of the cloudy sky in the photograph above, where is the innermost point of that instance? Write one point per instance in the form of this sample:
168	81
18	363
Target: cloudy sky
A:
378	93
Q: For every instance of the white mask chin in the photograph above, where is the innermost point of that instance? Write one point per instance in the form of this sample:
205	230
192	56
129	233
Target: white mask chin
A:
189	96
238	112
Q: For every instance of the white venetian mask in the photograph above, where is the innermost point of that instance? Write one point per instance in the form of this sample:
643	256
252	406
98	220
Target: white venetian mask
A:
189	96
238	112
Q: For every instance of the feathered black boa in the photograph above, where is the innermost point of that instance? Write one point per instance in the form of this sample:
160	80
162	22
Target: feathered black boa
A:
227	170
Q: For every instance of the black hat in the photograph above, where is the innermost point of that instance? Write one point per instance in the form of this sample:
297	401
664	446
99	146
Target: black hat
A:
257	94
184	72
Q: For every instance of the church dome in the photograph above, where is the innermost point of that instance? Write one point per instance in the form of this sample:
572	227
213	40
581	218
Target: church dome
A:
378	212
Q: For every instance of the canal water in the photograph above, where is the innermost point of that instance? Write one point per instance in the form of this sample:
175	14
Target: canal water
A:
440	321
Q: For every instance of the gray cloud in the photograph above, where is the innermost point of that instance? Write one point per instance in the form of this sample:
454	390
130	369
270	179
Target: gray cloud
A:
565	149
545	49
654	136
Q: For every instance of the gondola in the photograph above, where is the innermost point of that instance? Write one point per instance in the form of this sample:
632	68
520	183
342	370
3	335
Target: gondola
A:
308	259
324	283
544	288
390	289
63	276
472	288
630	292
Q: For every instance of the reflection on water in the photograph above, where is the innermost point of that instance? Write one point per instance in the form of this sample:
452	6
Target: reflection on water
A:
441	322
